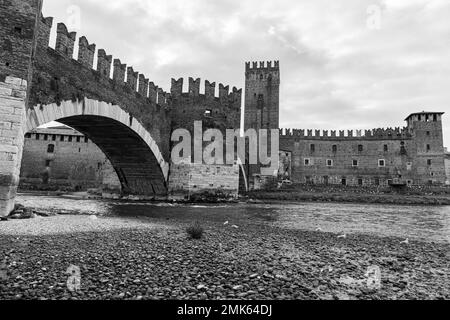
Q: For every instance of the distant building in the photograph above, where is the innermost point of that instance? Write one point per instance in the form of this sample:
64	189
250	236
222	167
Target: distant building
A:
447	167
63	156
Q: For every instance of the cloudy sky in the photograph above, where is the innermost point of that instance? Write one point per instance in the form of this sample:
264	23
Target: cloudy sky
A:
356	64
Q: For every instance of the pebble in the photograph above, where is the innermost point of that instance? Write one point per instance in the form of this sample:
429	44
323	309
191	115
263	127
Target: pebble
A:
149	260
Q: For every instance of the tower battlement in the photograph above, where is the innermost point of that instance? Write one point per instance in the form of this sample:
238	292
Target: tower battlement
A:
224	93
262	66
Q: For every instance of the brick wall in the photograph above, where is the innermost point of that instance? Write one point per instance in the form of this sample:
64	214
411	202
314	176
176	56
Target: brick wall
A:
447	168
74	159
322	160
189	179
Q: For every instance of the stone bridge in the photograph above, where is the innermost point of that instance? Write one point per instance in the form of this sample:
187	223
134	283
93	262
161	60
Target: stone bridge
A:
128	117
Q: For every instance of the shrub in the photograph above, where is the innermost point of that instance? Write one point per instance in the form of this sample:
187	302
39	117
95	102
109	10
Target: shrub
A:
195	231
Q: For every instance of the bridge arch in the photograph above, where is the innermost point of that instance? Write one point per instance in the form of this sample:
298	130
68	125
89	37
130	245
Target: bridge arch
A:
130	148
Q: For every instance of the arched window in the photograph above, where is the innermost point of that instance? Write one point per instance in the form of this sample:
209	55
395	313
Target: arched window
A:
51	148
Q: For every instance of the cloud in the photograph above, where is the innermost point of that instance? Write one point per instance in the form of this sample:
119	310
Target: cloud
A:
344	64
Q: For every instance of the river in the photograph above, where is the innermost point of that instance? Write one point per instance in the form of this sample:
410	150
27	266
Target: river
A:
426	223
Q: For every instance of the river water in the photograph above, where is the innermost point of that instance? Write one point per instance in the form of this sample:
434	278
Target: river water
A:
427	223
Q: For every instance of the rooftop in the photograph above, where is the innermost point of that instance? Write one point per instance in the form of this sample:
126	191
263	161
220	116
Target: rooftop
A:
60	130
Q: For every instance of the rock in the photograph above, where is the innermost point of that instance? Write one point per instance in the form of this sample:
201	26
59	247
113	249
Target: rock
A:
239	287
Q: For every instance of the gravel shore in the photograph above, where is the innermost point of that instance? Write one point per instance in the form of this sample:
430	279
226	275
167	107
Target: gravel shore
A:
142	258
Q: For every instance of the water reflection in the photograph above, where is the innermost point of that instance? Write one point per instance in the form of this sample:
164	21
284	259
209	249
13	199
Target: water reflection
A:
421	222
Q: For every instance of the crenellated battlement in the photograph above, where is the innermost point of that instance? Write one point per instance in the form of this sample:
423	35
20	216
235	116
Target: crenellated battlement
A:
65	40
86	52
262	66
375	134
45	27
210	90
132	78
121	75
119	71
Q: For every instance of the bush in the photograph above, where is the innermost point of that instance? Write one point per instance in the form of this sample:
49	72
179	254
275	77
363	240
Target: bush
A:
195	231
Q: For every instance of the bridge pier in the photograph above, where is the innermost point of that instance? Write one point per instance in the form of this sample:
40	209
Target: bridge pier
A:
17	42
12	121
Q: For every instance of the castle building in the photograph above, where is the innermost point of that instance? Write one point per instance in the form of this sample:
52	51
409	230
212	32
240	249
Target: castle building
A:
413	155
447	167
61	156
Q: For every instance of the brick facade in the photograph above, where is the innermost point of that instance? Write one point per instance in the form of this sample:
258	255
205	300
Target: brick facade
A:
66	157
447	168
188	179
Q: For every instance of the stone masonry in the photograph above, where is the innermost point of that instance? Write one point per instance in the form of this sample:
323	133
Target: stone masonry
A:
12	118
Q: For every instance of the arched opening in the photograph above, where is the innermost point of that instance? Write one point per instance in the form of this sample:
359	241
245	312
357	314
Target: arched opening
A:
133	155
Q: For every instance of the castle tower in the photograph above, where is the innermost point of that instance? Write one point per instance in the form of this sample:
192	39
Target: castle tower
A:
426	128
262	95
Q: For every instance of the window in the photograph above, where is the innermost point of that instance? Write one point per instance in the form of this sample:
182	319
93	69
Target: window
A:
386	148
61	138
428	133
360	148
334	148
428	147
312	147
329	163
260	102
208	113
355	163
377	181
45	137
325	180
381	163
86	139
308	180
70	138
434	117
360	182
28	135
344	181
51	148
78	139
307	162
402	148
48	163
37	136
429	162
54	137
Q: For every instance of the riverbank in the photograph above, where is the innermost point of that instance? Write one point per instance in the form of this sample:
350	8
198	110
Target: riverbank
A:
347	197
152	258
